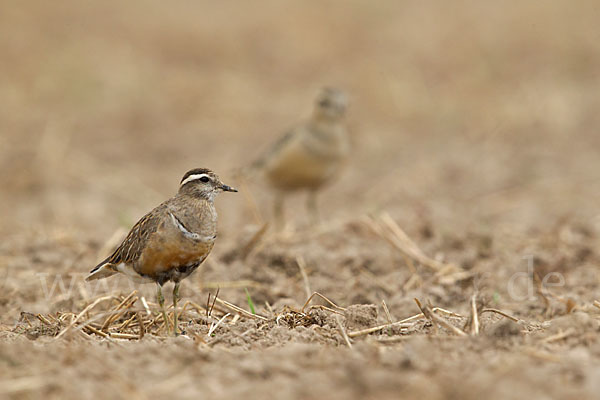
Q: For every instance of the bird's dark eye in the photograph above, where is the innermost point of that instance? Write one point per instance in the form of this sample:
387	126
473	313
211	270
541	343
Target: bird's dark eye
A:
204	179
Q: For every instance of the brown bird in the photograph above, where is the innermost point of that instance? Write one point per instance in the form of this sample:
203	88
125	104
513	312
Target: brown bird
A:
309	156
172	240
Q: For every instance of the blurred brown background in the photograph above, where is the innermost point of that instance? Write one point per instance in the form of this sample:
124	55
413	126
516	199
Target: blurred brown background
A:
467	111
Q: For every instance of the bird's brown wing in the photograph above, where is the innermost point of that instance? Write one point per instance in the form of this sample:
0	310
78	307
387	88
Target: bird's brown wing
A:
131	248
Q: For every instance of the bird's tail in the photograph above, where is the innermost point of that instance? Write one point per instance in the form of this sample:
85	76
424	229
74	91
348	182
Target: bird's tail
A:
102	270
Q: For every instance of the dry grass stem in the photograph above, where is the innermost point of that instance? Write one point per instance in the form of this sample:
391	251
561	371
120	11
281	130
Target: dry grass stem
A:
96	331
269	308
302	266
387	312
504	314
321	307
124	322
127	322
199	309
120	309
474	317
343	331
145	304
209	306
402	323
446	312
239	310
542	293
438	320
388	229
398	324
214	326
129	336
317	294
142	328
43	319
85	310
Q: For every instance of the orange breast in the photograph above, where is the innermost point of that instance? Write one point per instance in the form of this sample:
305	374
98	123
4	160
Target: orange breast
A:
296	168
160	256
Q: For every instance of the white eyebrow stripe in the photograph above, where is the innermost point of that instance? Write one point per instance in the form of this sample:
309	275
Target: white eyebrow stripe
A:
188	234
193	178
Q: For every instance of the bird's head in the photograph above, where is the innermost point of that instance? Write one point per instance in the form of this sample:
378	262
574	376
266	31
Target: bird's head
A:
202	182
331	103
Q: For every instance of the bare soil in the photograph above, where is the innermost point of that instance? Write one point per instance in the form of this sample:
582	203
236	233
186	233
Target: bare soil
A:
470	208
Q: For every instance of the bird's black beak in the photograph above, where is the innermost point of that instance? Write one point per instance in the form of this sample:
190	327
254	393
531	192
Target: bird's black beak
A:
226	188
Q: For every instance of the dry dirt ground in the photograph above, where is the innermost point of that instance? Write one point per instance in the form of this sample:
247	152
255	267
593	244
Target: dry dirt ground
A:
474	187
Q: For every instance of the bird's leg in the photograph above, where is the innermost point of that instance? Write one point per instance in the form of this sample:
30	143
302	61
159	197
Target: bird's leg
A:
161	302
175	299
312	208
278	212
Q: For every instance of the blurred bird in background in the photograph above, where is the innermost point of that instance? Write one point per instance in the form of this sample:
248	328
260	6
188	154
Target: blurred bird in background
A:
308	157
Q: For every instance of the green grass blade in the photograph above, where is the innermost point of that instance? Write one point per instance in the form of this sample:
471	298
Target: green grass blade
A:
249	300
